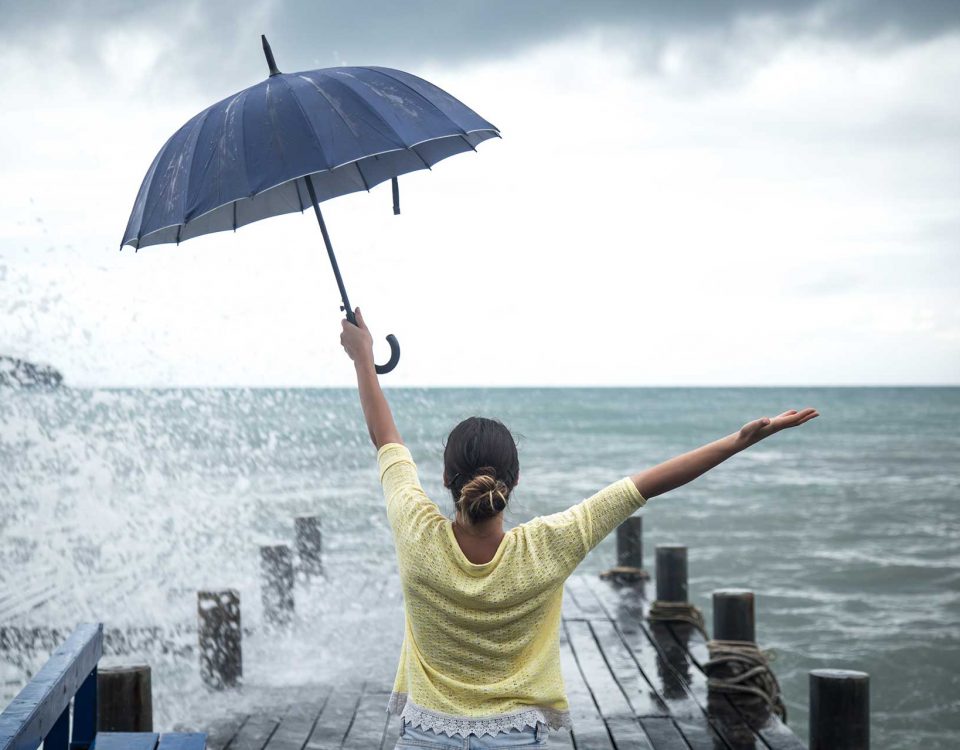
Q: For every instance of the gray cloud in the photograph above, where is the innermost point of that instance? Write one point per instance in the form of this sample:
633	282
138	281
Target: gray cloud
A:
307	33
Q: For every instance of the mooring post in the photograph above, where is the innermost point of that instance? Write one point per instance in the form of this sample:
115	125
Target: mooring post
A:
733	615
630	543
309	545
839	710
218	628
125	700
276	587
671	573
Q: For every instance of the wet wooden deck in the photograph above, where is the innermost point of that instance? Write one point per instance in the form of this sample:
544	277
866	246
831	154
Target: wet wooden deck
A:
630	685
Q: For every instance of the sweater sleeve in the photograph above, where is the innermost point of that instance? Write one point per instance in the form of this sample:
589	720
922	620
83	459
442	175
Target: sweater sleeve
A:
408	507
569	535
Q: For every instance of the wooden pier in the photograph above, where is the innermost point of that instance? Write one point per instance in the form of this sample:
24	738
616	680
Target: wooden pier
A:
631	684
635	668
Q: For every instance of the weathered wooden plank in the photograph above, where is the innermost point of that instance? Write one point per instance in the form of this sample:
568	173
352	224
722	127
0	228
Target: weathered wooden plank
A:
776	734
628	734
298	722
256	731
369	722
606	691
634	683
35	709
699	733
589	731
673	670
221	732
182	741
644	654
125	741
663	733
587	603
620	602
666	666
334	723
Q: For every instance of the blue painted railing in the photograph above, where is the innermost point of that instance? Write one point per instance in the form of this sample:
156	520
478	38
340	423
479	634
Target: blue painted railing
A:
41	711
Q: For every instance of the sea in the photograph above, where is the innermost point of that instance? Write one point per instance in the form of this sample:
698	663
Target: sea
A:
118	505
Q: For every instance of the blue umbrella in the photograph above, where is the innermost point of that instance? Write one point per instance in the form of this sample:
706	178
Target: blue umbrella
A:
292	141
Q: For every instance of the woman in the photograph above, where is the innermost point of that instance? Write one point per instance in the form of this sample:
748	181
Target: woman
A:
480	662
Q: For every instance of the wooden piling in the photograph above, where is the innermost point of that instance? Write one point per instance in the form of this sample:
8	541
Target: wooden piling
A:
839	710
630	543
733	615
671	573
125	702
218	628
309	542
276	587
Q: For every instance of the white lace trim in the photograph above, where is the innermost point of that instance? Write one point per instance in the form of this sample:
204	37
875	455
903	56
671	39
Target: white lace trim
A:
479	726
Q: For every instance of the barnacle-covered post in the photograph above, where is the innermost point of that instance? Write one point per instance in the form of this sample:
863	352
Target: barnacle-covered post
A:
630	543
671	573
309	541
276	588
219	634
733	615
839	710
125	699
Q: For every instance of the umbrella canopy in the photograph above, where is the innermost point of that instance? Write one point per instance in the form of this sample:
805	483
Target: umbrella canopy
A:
292	141
246	157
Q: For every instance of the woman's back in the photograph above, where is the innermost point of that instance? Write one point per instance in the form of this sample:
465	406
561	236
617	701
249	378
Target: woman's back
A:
481	642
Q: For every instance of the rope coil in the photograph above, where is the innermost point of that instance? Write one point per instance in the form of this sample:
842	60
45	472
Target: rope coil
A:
742	669
682	612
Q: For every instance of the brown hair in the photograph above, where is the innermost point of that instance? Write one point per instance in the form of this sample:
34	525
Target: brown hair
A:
481	467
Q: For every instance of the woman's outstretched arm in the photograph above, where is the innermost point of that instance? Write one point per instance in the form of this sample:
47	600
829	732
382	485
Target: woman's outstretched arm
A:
358	343
683	469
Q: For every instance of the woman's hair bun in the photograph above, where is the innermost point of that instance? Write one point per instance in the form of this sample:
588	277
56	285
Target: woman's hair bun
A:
483	496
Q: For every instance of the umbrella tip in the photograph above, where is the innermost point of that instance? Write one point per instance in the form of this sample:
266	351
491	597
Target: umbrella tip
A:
269	55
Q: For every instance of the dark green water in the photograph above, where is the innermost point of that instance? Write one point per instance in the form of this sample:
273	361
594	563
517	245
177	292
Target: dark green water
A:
120	504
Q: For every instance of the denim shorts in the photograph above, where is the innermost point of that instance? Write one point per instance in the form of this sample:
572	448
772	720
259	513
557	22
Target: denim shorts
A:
426	739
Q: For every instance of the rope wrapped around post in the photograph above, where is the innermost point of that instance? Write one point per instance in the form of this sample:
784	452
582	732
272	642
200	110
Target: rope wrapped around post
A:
682	612
741	668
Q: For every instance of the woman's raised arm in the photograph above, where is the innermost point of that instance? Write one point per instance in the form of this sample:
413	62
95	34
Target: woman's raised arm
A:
358	343
680	470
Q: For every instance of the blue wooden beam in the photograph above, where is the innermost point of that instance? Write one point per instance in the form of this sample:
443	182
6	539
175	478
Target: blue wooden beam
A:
58	738
125	741
35	711
85	713
183	741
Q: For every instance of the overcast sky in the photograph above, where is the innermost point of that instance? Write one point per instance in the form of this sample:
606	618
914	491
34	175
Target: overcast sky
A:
716	192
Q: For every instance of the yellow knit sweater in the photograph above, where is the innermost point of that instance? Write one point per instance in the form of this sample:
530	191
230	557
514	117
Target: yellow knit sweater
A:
481	646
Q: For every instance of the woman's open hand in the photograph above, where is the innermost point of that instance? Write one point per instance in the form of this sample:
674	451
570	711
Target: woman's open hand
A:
357	341
679	470
759	429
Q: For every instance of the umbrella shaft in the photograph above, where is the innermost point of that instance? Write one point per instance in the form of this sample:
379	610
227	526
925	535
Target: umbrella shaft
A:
333	258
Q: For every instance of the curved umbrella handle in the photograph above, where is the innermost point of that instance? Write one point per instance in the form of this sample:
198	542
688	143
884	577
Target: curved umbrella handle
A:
394	356
391	339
